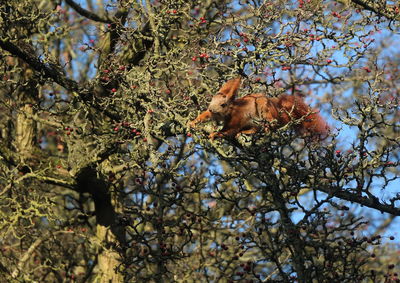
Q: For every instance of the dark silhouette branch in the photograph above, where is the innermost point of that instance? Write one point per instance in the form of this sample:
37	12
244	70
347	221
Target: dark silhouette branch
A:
87	14
49	70
53	72
366	201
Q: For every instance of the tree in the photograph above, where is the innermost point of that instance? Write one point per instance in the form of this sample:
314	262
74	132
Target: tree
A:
102	180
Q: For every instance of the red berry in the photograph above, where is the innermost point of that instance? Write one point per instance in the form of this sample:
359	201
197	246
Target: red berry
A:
368	70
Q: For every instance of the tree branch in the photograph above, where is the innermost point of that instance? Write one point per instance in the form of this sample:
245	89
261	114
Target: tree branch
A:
382	13
368	202
48	180
28	254
86	13
366	6
50	71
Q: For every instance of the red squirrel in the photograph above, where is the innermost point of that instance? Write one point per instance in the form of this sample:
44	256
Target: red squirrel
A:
239	115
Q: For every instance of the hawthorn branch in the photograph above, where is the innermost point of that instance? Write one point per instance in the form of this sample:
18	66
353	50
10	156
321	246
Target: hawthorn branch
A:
366	6
366	201
86	13
380	12
28	254
69	184
26	257
53	72
49	70
112	36
295	243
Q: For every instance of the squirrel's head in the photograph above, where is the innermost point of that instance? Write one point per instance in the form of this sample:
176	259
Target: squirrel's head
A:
221	102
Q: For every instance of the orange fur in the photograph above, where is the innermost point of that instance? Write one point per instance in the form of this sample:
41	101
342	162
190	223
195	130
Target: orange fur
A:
239	115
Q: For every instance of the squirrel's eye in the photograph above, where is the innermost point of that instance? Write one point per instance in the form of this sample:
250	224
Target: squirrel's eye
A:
223	105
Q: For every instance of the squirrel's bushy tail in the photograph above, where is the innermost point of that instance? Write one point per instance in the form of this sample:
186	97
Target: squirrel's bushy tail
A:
313	124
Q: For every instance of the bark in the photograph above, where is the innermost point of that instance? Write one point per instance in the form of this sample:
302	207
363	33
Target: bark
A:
25	132
108	259
109	232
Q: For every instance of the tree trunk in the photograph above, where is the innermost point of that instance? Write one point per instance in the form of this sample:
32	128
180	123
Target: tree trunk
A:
25	132
109	233
108	259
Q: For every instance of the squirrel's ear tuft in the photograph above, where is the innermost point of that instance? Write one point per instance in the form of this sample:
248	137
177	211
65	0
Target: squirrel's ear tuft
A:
231	87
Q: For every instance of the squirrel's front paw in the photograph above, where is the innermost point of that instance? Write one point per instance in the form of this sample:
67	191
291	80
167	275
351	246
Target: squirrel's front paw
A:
213	135
192	124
